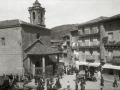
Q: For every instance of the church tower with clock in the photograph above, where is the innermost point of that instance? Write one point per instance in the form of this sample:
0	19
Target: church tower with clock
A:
37	14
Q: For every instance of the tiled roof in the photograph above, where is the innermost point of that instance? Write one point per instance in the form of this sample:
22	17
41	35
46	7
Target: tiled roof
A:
100	19
94	20
17	22
38	48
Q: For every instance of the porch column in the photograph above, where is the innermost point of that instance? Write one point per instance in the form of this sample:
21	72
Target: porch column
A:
43	66
33	69
57	58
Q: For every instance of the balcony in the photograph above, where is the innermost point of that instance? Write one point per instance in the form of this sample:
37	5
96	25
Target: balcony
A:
93	31
87	31
81	44
96	43
80	32
86	44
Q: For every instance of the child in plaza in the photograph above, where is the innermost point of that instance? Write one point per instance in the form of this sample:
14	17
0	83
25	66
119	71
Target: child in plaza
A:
68	84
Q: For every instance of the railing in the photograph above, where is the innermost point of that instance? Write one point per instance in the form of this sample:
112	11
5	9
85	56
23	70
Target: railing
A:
39	71
81	44
86	44
80	32
87	31
95	43
94	31
91	43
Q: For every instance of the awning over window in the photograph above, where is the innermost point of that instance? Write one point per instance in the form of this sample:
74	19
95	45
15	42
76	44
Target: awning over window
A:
94	64
109	66
81	63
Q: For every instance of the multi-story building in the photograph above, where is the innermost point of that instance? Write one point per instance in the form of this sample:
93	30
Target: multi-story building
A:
98	42
66	49
89	42
111	45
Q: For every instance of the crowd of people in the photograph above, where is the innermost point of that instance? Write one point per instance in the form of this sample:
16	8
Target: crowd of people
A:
11	82
16	82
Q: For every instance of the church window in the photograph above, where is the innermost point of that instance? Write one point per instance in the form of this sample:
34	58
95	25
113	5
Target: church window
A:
38	36
3	41
33	15
41	17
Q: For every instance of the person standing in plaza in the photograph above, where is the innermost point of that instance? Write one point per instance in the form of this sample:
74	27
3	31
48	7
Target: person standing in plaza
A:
76	86
68	84
115	82
81	83
83	87
102	82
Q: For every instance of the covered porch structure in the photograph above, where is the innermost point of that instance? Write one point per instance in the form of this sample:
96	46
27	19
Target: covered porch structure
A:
40	59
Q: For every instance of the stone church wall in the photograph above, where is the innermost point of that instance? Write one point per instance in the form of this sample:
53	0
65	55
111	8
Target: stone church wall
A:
10	51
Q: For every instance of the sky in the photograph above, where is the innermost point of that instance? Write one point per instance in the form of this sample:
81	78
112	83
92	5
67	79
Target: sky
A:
60	12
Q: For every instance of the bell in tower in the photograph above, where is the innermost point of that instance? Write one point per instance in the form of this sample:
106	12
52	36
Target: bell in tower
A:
37	14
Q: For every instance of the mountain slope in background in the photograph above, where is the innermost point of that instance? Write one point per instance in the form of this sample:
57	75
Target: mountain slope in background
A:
58	31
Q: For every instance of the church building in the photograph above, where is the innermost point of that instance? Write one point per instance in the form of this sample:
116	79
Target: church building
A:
25	47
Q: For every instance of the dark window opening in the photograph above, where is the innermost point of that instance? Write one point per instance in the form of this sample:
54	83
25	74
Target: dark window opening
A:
41	17
111	71
3	41
38	36
33	15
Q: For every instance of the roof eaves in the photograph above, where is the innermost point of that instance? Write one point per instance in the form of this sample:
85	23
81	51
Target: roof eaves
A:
73	30
93	21
32	44
30	25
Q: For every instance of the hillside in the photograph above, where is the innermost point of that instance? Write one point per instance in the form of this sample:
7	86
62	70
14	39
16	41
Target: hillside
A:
58	31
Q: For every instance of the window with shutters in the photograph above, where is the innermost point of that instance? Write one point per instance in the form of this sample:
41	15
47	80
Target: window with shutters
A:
110	36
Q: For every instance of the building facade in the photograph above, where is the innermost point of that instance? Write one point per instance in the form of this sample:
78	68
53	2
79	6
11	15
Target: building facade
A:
111	39
97	41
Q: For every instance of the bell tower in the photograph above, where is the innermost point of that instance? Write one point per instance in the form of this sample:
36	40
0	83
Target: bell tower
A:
37	14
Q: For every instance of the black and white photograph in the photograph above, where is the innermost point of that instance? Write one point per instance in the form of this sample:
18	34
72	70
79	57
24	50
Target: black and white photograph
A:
59	44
